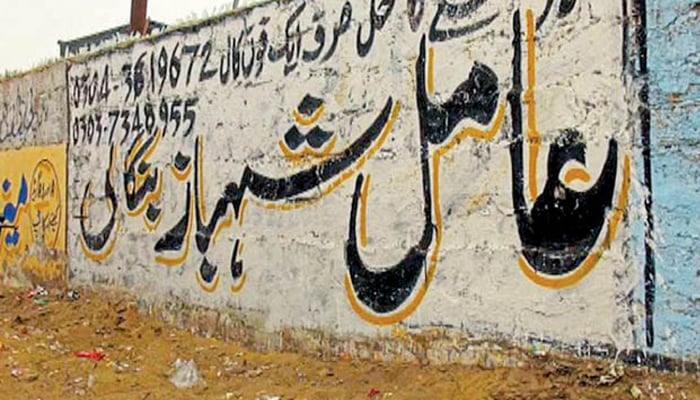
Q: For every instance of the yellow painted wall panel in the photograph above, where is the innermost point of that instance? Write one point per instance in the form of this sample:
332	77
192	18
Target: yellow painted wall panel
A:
33	213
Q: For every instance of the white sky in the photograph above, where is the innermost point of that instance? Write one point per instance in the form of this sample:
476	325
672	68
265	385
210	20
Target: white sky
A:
30	29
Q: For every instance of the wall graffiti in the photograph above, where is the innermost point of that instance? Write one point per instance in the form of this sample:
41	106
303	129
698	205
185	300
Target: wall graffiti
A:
20	114
33	211
33	108
461	11
142	186
387	291
290	109
562	226
187	64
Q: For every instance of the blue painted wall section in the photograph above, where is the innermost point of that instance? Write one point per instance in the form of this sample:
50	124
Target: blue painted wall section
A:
674	67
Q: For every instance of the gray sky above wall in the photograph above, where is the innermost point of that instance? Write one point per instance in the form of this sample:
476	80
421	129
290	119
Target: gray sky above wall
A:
30	29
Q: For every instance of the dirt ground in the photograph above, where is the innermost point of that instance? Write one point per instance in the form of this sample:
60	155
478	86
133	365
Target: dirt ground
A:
41	337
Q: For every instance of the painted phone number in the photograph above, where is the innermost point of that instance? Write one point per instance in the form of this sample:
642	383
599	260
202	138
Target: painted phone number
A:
171	116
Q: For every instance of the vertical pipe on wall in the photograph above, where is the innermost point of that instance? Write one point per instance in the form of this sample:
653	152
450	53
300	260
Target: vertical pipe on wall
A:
139	16
640	12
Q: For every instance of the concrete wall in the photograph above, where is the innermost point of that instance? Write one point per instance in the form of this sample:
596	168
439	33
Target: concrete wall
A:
33	108
481	167
33	121
254	164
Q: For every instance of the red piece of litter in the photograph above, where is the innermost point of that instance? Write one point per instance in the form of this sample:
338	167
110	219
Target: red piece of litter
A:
94	356
374	392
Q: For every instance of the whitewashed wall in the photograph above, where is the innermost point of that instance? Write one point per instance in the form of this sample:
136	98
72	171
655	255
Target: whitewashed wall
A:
293	248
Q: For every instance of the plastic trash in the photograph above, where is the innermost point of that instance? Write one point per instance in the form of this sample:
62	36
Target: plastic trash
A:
539	350
24	374
93	355
41	301
38	291
373	393
73	295
186	375
635	392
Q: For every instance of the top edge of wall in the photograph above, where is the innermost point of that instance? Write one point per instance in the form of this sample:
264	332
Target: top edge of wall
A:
186	26
9	76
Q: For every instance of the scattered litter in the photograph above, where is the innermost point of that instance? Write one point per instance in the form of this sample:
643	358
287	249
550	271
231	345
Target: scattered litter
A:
598	376
72	295
93	355
635	392
374	393
57	347
38	291
41	301
539	350
91	381
120	367
24	374
659	389
253	373
616	373
491	361
186	374
266	397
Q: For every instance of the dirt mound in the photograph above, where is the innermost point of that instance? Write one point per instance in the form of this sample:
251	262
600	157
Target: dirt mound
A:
59	345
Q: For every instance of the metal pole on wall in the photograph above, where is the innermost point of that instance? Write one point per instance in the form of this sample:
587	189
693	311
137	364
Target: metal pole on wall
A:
139	16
